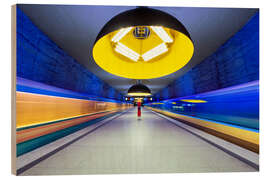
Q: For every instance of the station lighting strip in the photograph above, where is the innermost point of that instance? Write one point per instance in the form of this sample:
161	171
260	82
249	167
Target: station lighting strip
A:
139	94
121	34
162	34
124	50
156	51
129	53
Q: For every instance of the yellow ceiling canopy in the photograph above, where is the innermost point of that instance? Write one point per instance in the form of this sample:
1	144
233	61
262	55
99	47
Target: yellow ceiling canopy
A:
143	44
139	90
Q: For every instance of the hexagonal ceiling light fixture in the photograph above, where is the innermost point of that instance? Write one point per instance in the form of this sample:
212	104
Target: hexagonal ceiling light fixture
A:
143	43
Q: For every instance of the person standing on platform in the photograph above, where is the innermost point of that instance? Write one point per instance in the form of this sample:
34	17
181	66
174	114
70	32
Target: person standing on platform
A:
139	109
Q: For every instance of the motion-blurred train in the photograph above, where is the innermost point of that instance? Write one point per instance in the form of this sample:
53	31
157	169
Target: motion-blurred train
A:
234	106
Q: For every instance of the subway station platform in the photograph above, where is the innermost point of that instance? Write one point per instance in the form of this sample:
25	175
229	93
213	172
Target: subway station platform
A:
76	89
126	144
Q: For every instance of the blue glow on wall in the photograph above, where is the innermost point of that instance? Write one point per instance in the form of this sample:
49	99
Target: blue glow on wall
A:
28	86
40	59
235	62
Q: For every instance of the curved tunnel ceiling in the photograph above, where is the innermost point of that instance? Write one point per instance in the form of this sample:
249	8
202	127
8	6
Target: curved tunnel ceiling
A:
74	28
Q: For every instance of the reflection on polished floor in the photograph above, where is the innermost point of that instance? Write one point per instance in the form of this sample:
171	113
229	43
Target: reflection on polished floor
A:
129	145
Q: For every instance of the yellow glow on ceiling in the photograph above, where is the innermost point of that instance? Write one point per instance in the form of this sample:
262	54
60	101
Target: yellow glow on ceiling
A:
139	94
179	53
194	100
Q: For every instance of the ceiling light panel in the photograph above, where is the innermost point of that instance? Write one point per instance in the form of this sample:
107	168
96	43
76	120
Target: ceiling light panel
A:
158	50
162	34
139	94
129	53
120	34
138	57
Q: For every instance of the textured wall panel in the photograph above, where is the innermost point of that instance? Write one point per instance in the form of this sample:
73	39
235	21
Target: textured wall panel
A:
235	62
39	59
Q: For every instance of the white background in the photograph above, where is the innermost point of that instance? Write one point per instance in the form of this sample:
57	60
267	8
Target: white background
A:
5	86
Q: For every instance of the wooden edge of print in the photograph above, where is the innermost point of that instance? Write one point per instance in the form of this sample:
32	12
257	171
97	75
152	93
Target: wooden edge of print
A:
13	89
